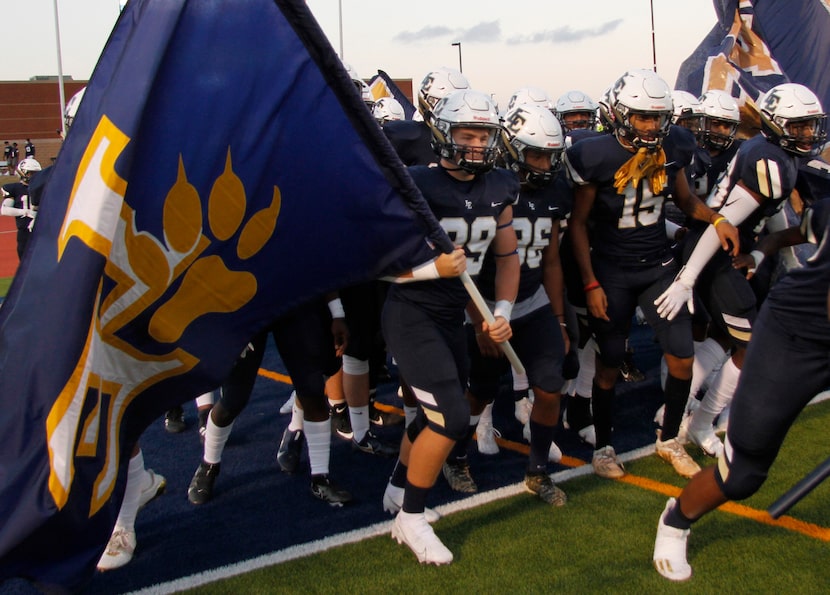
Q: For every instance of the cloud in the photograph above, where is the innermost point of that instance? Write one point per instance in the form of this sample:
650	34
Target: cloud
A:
483	32
430	32
565	34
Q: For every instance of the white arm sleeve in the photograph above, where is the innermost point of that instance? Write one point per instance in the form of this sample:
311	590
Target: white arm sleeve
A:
9	209
739	205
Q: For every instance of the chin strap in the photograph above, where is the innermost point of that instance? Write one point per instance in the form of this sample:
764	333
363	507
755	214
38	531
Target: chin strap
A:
644	164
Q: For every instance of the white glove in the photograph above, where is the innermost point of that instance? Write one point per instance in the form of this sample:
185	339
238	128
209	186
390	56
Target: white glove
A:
672	300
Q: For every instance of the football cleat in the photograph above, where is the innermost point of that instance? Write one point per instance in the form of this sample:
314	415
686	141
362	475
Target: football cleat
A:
542	485
174	420
706	439
155	486
201	486
120	549
290	450
375	446
414	530
521	410
587	434
629	371
486	436
384	418
340	422
323	488
673	452
670	549
458	476
393	501
606	464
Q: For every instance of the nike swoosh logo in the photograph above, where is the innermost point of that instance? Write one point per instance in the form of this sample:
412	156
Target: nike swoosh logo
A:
668	262
730	203
553	208
670	163
495	204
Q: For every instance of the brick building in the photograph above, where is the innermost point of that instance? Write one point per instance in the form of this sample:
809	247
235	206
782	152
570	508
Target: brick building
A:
31	109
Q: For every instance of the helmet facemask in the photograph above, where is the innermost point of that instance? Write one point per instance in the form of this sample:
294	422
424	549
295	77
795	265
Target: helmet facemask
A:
640	139
473	160
713	140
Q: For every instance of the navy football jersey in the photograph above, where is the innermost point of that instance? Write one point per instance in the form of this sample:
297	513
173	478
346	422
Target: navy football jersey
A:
627	227
412	141
533	217
467	211
20	193
706	170
764	168
800	296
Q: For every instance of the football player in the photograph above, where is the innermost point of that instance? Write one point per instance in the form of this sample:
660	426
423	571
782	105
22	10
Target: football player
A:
790	339
625	260
576	111
757	182
533	143
16	203
304	340
423	321
388	109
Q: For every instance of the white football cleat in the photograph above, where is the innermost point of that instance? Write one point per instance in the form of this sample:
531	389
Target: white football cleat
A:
119	550
289	404
670	549
521	410
486	436
414	530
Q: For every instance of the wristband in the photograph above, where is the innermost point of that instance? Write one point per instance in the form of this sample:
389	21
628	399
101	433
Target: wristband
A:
503	308
759	258
425	271
719	220
336	308
563	325
591	286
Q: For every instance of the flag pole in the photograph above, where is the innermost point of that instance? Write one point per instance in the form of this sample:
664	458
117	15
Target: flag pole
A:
484	309
799	490
61	91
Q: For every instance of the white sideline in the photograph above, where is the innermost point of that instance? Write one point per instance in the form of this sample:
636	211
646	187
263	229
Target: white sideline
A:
321	545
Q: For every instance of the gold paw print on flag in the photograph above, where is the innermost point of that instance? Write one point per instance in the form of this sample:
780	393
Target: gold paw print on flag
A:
85	420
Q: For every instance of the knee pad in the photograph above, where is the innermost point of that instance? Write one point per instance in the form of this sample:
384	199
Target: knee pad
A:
354	366
740	475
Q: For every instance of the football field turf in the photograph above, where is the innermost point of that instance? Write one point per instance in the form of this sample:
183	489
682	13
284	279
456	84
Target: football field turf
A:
266	532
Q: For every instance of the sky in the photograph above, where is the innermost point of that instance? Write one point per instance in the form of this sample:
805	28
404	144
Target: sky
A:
557	45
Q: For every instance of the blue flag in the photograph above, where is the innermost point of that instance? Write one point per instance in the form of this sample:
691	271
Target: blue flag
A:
382	85
757	45
221	169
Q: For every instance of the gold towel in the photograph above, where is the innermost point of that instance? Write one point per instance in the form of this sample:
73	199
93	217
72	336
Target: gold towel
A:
650	165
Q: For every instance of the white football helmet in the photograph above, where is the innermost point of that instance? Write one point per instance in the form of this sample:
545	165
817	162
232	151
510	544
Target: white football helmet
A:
361	86
719	107
387	109
606	116
437	84
577	103
792	118
644	93
532	127
466	109
530	96
72	108
27	167
687	110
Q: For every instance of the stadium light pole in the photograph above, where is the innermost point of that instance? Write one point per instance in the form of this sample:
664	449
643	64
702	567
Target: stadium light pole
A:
653	43
340	14
61	91
458	43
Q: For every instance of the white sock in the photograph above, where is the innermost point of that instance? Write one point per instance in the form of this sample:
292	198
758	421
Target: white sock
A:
215	440
296	422
708	355
132	493
486	416
359	417
717	397
587	369
520	382
318	438
410	413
